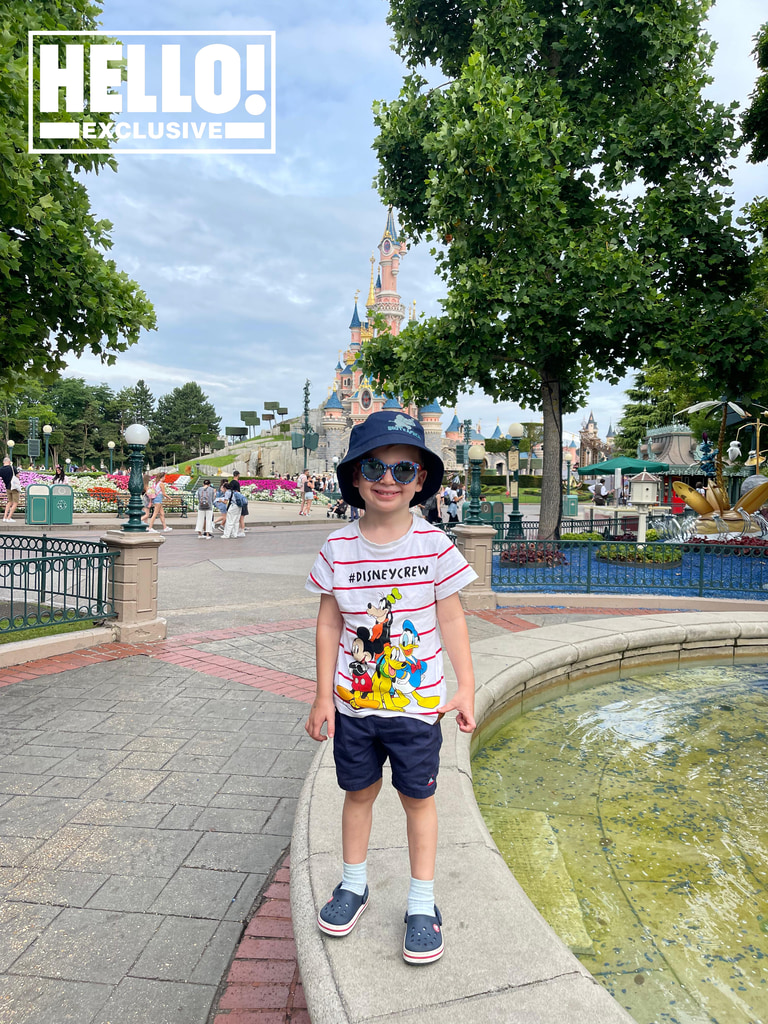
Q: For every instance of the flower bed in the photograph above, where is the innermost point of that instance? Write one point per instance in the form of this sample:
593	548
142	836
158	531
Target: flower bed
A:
532	554
740	547
639	554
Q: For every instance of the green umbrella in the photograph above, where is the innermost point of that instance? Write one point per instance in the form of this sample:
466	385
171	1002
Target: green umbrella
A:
625	463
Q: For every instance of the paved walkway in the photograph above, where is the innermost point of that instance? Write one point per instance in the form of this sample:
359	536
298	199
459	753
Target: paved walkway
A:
147	795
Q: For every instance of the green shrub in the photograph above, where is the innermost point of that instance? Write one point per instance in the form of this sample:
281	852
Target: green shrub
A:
639	554
581	536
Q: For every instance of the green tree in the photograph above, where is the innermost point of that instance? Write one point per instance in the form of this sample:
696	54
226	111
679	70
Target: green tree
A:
177	414
571	178
754	121
650	403
59	295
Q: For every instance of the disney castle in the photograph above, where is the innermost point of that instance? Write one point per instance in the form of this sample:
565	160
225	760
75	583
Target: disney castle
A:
353	397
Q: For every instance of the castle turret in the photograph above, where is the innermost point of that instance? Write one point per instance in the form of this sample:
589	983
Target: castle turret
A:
391	249
431	420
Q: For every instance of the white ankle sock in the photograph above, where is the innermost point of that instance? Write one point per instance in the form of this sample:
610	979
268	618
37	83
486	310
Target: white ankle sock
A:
354	877
421	897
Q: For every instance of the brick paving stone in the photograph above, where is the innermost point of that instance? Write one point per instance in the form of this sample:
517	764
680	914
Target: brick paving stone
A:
267	949
252	1017
253	997
261	972
263	926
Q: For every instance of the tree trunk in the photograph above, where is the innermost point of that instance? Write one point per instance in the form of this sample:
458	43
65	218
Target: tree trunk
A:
551	478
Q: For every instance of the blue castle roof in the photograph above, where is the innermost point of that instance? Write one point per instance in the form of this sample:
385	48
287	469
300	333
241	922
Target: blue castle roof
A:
333	402
497	434
433	408
391	226
392	403
355	322
453	426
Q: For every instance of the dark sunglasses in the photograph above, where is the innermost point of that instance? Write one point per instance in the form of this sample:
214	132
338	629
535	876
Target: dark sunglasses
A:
402	472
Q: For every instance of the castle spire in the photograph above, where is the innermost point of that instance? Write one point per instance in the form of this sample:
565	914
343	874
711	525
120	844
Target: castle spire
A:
370	302
355	323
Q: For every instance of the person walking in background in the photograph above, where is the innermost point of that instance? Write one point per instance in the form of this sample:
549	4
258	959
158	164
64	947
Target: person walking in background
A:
58	476
12	489
205	497
432	508
220	505
301	484
232	522
307	494
145	499
156	492
451	504
243	503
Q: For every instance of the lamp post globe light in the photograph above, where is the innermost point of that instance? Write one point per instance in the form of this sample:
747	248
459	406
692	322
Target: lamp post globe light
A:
47	431
111	446
10	444
476	455
568	461
515	433
136	437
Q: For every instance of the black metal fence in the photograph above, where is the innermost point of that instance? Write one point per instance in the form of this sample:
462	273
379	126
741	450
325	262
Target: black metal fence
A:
46	580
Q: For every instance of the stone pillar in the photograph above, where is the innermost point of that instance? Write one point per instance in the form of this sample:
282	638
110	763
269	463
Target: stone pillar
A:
135	575
476	544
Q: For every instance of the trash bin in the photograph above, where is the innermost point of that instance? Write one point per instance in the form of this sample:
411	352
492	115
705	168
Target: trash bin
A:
570	505
38	512
62	505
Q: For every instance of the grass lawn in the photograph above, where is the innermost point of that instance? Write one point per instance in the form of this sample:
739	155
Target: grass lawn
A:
32	634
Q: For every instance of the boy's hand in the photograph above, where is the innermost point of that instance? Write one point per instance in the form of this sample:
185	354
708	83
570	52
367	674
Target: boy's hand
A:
321	712
465	718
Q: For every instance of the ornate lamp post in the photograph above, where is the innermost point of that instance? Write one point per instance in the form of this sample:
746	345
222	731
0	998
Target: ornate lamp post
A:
476	456
515	432
10	444
111	446
136	437
47	431
568	461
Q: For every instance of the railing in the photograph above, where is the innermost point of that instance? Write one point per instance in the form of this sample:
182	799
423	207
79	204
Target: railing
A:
45	581
695	569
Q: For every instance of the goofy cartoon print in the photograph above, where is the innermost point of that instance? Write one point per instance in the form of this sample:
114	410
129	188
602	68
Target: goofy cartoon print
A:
385	675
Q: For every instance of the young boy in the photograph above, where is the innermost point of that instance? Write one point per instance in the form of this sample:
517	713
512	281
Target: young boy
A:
385	582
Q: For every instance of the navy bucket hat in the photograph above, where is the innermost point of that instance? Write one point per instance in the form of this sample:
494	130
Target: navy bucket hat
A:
378	430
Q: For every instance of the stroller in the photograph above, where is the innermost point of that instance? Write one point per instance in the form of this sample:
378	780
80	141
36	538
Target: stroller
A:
339	510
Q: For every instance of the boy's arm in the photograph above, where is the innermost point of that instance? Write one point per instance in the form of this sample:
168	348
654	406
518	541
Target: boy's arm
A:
327	635
455	639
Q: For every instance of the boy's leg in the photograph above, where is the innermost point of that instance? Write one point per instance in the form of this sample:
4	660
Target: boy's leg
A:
356	820
421	817
423	940
350	897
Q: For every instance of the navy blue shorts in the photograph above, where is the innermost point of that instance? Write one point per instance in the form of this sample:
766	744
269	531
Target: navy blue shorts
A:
362	745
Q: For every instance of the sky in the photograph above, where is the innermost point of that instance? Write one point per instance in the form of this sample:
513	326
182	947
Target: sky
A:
252	261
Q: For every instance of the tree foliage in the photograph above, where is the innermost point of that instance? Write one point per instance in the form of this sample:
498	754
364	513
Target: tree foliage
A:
85	417
572	181
178	413
754	121
652	401
59	295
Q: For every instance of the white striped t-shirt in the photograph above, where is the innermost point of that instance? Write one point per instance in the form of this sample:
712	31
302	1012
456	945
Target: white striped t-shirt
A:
390	658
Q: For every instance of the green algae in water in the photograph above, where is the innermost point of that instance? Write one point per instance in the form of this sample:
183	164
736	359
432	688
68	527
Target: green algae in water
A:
635	816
